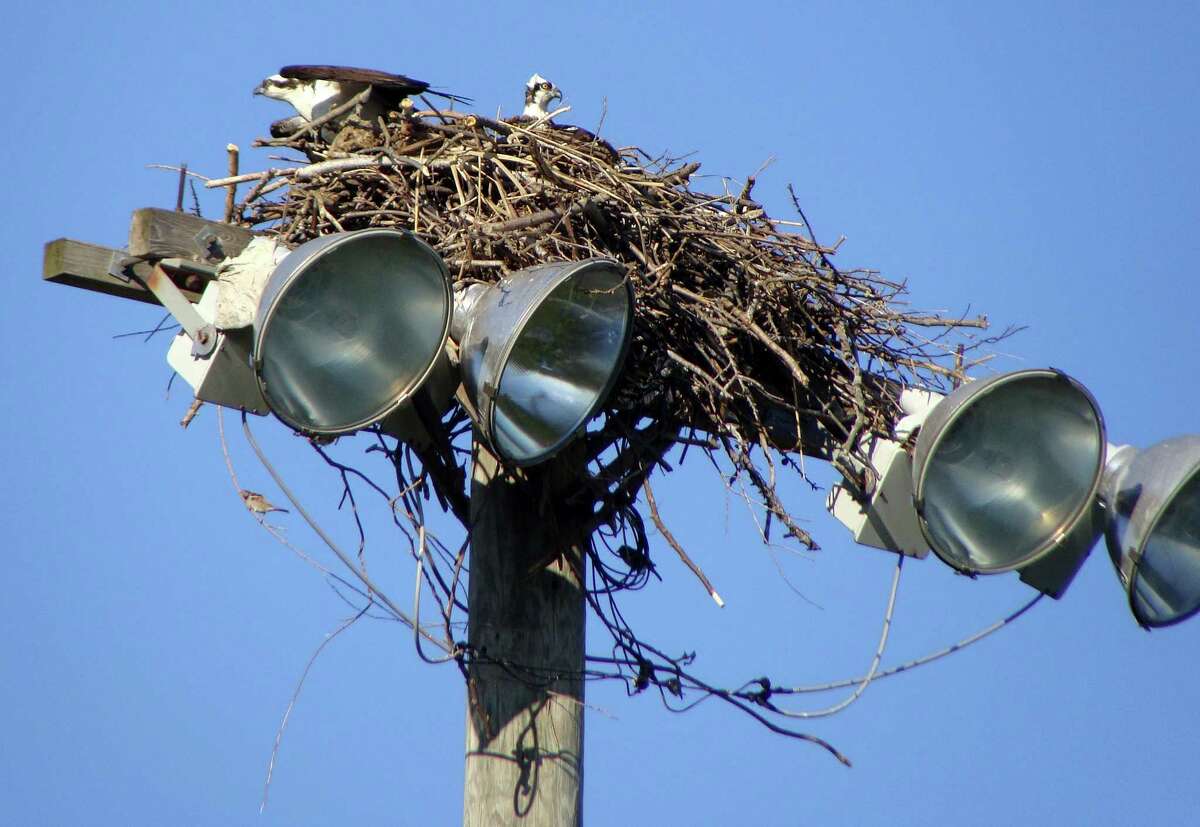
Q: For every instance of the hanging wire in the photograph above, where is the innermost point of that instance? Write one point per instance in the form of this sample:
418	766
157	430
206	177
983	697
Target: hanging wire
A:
921	661
376	594
637	662
866	681
419	581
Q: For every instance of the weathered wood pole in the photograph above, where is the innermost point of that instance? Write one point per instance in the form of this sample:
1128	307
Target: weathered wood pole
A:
524	746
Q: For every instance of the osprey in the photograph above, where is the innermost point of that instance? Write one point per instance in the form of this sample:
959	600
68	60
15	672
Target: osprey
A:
316	90
538	94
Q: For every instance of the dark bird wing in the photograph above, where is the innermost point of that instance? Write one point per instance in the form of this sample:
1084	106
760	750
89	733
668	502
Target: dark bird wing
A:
384	80
393	87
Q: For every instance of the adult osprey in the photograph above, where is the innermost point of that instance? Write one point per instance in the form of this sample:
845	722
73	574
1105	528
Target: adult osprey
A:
538	94
317	90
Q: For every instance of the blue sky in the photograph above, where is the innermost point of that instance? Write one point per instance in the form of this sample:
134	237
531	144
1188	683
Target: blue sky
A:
1032	161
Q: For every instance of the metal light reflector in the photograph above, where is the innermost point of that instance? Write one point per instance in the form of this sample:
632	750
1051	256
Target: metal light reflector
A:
349	326
1153	532
541	350
1006	471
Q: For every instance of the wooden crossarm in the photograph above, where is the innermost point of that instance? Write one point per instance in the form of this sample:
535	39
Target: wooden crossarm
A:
79	264
156	233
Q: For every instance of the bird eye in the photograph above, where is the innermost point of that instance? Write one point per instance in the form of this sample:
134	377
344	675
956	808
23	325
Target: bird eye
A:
546	85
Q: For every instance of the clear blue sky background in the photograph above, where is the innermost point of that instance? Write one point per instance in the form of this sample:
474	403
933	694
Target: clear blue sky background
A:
1034	161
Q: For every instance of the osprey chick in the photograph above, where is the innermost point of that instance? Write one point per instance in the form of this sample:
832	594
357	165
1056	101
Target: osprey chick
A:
538	94
315	90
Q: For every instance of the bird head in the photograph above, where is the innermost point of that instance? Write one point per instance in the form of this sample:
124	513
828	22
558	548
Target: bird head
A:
538	94
301	94
277	87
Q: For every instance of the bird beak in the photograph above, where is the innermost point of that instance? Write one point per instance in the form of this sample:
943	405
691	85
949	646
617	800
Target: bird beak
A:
260	89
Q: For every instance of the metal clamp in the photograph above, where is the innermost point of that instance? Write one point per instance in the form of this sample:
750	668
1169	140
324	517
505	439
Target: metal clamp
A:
209	241
202	333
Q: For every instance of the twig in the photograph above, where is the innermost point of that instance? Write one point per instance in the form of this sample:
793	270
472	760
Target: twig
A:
231	194
287	713
671	541
192	410
179	192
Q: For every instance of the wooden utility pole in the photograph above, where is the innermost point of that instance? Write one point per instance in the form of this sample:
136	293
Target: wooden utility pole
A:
524	750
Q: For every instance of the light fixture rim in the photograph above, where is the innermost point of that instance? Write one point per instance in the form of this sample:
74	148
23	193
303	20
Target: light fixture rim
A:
1055	539
340	239
1134	558
489	396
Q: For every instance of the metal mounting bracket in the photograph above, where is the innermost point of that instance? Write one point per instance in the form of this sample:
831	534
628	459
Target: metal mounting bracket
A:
203	334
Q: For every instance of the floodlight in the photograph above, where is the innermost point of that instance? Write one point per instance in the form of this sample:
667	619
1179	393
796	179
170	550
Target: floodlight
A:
349	327
1153	532
1005	475
540	350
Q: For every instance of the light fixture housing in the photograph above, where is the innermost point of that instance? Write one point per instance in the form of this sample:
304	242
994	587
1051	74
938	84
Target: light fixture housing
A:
1005	475
882	516
350	326
1153	531
540	351
222	377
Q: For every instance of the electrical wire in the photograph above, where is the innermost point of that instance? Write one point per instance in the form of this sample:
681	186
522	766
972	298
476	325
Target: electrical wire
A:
341	555
904	667
866	680
419	581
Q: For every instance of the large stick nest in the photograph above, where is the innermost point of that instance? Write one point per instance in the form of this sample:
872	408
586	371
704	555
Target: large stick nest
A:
746	335
749	346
